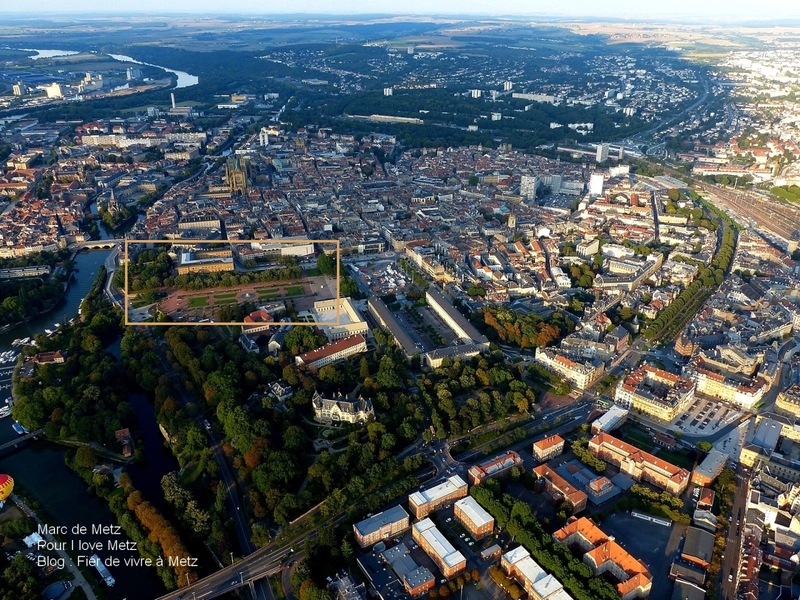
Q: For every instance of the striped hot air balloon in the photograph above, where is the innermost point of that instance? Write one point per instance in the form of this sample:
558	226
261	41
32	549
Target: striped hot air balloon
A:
6	487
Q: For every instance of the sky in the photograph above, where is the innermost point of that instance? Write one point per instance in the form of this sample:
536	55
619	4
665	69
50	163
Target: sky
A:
724	10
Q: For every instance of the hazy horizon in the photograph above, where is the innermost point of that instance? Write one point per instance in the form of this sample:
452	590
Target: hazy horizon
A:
716	10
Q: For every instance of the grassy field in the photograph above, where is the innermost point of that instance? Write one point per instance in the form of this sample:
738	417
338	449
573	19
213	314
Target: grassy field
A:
198	302
312	272
295	290
225	295
226	301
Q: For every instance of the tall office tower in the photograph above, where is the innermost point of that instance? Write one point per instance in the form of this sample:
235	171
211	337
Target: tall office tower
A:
527	186
602	153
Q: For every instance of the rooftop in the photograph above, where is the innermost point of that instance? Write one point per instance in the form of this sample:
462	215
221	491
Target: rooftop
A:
375	522
474	511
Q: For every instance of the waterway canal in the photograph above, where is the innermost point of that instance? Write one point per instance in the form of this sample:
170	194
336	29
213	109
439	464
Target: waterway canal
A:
39	469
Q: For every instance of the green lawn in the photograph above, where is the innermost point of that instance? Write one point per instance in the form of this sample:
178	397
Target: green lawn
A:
226	301
226	295
679	459
295	290
197	302
312	272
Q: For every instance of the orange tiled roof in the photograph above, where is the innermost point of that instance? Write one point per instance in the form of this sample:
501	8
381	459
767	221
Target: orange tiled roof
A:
549	442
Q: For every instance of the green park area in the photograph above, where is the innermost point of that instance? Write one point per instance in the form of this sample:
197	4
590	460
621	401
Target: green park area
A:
198	301
294	290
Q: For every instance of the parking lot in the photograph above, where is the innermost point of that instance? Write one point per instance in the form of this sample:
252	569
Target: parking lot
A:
706	417
655	545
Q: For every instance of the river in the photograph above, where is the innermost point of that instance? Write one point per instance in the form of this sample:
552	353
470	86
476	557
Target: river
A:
39	466
184	79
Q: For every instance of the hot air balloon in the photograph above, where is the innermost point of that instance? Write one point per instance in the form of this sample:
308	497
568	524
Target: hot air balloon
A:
6	487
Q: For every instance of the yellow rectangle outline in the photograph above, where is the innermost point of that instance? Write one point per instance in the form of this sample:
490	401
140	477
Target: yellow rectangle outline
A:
234	323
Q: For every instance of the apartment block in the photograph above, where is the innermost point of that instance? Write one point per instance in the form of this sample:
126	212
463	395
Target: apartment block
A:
548	448
519	564
382	526
495	467
640	465
423	503
559	488
473	517
449	560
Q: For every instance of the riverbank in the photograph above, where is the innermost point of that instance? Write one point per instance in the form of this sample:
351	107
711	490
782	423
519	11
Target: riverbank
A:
77	577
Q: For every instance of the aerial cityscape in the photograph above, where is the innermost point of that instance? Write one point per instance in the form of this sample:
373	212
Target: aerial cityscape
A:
386	307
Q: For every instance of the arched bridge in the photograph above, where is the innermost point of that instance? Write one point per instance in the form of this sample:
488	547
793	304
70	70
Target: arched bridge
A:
96	244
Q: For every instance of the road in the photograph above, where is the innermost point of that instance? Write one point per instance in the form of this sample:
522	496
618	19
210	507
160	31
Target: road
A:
733	545
239	516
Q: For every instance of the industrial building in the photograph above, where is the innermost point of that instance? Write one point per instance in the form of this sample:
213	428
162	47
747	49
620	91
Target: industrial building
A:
423	503
610	420
473	517
698	547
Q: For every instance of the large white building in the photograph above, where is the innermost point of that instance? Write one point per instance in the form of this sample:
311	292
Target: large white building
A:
339	320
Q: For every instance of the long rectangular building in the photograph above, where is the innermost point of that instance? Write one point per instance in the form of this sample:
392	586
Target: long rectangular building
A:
449	560
494	467
382	526
387	320
639	464
423	503
519	564
335	351
454	319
